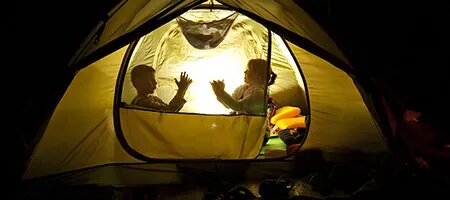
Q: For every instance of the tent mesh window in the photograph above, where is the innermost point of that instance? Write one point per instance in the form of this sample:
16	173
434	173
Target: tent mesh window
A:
206	35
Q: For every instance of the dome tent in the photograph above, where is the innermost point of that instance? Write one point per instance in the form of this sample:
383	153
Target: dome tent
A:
92	125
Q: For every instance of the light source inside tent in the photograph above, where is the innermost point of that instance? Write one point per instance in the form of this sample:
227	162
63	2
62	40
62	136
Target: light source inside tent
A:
227	66
168	51
190	135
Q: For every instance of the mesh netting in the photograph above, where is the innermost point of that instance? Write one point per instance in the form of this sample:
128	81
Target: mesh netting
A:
206	35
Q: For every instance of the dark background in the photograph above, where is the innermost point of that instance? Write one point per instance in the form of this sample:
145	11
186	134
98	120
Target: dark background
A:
404	43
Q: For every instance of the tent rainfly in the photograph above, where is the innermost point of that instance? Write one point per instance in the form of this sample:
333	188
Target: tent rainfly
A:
95	130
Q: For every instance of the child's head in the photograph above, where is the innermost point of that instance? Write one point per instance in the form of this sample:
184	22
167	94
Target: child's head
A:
257	73
143	79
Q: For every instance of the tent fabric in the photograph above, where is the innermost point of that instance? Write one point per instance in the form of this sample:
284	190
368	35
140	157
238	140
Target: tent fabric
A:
83	130
193	136
129	16
289	88
135	13
167	50
166	47
340	121
216	137
290	16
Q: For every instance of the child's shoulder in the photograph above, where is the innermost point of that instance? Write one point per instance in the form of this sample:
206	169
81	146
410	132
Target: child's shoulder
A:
242	87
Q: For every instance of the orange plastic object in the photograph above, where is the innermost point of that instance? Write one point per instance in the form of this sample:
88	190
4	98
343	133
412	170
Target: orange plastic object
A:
285	112
291	123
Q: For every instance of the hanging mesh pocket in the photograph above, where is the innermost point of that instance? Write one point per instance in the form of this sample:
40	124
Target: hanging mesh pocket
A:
206	35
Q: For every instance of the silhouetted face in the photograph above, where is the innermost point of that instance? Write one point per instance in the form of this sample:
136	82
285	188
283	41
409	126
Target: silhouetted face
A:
143	79
151	83
246	76
146	83
251	75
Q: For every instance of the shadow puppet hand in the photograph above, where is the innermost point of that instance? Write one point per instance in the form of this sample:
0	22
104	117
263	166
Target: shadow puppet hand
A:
184	82
218	86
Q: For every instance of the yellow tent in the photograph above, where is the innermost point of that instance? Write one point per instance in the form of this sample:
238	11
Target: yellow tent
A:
95	126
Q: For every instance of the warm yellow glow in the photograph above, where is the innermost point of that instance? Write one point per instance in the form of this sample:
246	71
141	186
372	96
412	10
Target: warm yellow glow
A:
229	66
284	49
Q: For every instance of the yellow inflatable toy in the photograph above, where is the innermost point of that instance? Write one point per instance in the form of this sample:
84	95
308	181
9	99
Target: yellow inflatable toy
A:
296	122
285	112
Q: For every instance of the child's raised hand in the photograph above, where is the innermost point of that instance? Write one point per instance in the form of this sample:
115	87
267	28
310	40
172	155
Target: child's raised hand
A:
184	82
217	85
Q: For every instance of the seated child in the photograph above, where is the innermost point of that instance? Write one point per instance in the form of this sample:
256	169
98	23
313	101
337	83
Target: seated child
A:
143	79
248	98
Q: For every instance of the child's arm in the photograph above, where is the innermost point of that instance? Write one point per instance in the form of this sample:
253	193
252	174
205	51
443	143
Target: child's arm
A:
178	100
